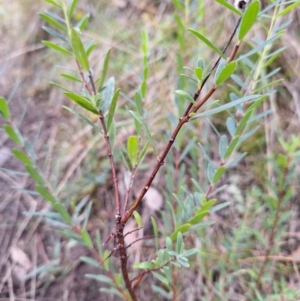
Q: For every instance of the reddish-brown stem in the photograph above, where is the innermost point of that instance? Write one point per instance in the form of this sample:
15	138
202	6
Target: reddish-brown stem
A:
182	121
119	228
109	151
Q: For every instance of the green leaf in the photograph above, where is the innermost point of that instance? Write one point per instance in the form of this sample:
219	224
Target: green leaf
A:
226	106
223	143
179	243
72	8
145	128
182	228
207	205
54	3
200	63
207	42
55	34
133	149
104	69
4	109
248	19
44	192
83	102
63	212
243	122
138	218
83	22
100	278
143	89
288	9
13	134
224	72
190	252
57	48
21	156
199	73
185	95
70	77
107	94
86	238
89	261
155	230
231	146
210	171
79	50
258	48
218	174
34	174
112	134
138	103
85	119
161	278
146	265
112	109
229	6
89	47
198	217
231	127
53	22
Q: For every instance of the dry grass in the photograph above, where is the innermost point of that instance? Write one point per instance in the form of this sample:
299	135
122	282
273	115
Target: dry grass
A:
74	158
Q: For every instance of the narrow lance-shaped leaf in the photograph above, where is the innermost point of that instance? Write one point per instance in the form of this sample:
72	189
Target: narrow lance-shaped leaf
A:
72	8
243	122
185	95
288	9
182	228
54	3
199	73
57	48
248	19
231	146
70	77
229	6
198	217
145	128
86	238
4	109
79	50
207	42
83	102
138	218
55	34
104	69
224	72
133	149
83	22
112	109
21	156
13	134
223	143
53	22
219	173
34	174
44	192
107	94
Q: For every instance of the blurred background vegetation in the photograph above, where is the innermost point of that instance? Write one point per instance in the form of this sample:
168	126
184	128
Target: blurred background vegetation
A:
36	262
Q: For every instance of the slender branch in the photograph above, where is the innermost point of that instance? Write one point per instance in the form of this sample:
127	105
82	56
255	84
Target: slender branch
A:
184	119
109	151
139	277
